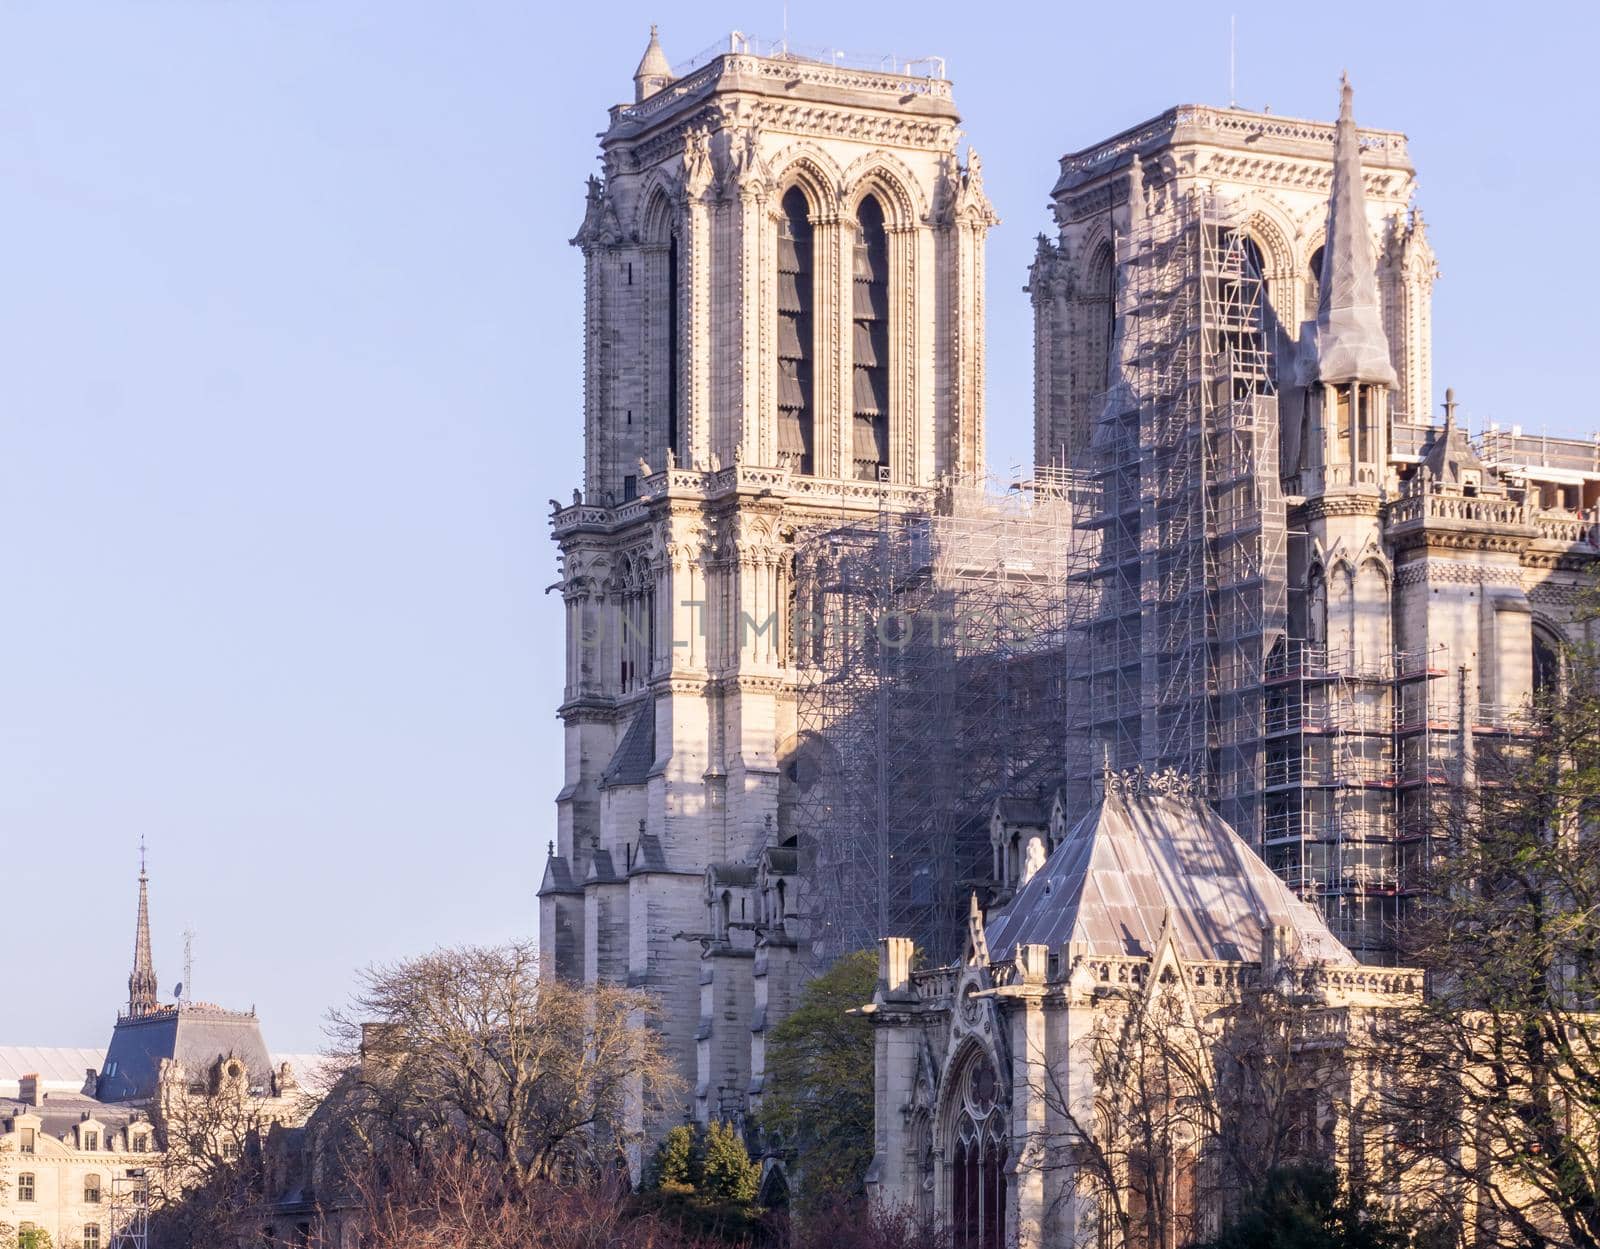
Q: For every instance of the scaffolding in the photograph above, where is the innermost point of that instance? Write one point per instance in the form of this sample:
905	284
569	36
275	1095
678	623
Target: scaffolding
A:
936	674
130	1209
1142	614
1192	576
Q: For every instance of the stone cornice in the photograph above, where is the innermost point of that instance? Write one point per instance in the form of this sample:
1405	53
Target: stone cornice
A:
1329	506
694	491
788	78
1193	125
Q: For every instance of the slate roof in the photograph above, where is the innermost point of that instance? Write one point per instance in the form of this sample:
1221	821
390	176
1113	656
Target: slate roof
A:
557	877
59	1113
1135	858
195	1035
636	752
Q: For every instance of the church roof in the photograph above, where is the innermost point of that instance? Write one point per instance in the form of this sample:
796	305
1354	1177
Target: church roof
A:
1349	342
1139	857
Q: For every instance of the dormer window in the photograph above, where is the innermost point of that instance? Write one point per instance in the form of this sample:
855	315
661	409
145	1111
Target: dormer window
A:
91	1140
28	1143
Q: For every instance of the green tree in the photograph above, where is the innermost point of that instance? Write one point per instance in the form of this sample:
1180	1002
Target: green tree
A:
704	1184
728	1175
676	1163
1307	1208
819	1071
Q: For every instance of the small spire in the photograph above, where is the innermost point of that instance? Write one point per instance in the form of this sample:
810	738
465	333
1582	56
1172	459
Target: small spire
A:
1450	407
1347	97
654	72
142	989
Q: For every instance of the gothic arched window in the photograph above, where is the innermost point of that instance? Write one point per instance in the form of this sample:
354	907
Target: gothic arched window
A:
1313	284
1546	663
1102	290
979	1149
870	433
674	348
796	345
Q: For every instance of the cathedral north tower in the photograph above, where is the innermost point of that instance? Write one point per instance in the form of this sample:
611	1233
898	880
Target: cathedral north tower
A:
783	311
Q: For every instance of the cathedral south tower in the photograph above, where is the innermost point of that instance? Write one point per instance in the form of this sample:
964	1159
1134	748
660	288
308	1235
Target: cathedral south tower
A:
783	308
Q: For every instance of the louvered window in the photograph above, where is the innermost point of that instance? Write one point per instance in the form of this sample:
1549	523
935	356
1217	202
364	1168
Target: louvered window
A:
796	305
674	355
870	339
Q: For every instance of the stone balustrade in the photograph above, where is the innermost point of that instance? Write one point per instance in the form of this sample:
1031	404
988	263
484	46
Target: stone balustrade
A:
710	483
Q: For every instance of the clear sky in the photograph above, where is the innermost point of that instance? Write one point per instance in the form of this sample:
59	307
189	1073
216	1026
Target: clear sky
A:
289	366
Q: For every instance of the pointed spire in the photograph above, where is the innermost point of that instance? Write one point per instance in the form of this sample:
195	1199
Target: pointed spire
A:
142	981
653	72
1350	343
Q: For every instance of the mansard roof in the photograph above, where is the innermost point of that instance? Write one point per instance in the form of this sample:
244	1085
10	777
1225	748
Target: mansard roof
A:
1141	856
195	1035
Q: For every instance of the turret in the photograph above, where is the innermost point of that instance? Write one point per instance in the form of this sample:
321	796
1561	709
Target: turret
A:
653	72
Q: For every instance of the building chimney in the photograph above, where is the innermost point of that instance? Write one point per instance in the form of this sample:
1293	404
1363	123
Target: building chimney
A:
28	1089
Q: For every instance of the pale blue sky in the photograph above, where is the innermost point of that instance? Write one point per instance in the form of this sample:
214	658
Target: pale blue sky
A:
289	364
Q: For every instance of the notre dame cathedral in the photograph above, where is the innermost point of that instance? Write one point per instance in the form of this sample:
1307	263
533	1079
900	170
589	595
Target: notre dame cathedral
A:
1303	588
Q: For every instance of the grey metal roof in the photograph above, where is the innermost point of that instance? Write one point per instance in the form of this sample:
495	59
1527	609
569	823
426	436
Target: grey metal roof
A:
1137	857
195	1035
636	752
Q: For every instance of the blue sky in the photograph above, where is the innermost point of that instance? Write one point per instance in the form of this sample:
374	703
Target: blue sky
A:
289	365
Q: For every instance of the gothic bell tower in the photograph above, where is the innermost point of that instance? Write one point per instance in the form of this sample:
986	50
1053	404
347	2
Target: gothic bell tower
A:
783	275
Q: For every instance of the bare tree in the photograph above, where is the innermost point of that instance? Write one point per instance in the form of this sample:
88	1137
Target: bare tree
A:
443	1197
1181	1104
543	1077
1494	1081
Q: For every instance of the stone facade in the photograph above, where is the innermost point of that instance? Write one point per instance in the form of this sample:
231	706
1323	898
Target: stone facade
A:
783	321
783	334
1278	172
1307	591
